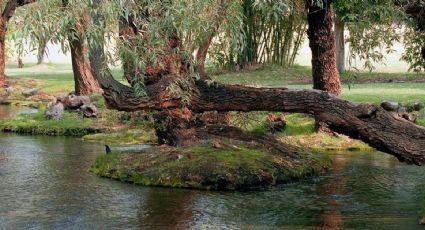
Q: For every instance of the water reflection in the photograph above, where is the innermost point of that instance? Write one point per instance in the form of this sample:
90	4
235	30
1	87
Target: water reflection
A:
7	112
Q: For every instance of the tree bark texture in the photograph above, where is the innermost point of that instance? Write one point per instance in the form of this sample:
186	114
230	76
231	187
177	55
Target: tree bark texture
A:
2	52
85	81
340	44
322	44
202	52
383	130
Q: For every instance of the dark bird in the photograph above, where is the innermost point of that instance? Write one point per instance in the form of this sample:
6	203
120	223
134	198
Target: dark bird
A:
107	149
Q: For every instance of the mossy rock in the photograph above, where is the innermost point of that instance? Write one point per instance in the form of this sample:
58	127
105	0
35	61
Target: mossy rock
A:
230	167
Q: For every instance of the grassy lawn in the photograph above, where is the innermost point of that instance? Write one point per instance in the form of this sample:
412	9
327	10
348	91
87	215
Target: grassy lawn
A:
405	87
57	78
273	76
51	78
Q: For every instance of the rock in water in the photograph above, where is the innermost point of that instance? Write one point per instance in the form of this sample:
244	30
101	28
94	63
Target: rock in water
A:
30	92
418	105
422	221
390	105
55	112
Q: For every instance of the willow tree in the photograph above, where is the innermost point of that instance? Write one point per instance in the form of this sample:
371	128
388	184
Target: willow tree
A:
414	38
169	85
84	78
375	26
8	10
64	24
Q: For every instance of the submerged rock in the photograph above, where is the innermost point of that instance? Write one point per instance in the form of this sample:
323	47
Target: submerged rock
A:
390	105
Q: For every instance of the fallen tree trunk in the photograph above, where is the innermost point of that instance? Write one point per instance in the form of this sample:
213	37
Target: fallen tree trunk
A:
372	124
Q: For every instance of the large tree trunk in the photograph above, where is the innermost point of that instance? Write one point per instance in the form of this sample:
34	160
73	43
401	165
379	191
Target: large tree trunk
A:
2	52
85	83
84	78
340	43
372	124
322	44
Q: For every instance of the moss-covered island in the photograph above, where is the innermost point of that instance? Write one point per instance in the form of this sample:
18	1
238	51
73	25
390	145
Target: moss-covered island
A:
209	165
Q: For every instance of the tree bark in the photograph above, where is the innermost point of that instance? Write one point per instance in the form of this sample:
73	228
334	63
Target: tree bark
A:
127	32
202	52
84	78
2	52
85	82
416	10
322	43
372	124
340	43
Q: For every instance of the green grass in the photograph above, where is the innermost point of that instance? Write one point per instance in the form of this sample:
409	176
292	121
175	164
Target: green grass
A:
298	77
71	125
51	78
273	76
234	166
300	131
126	136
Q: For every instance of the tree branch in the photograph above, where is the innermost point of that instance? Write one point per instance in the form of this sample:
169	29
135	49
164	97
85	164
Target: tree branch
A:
11	6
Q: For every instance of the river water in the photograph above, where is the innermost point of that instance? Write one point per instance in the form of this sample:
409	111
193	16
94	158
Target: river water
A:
45	184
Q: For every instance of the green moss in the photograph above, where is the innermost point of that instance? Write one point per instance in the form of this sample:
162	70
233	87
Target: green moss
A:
233	167
72	125
127	136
